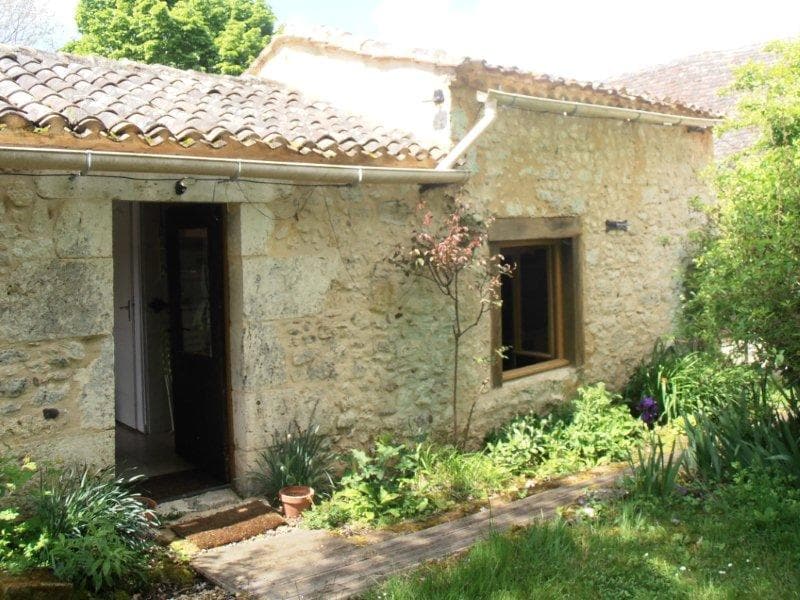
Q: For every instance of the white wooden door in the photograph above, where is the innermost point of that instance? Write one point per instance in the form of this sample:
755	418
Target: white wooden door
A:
127	322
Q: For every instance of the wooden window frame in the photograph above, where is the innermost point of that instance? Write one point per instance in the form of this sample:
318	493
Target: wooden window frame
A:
564	295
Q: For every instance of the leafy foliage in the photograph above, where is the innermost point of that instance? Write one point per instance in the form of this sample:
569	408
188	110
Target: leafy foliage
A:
683	380
298	457
219	36
655	472
16	541
525	442
375	489
594	429
397	482
96	559
745	284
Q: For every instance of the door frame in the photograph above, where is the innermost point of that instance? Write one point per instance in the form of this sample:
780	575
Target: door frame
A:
227	370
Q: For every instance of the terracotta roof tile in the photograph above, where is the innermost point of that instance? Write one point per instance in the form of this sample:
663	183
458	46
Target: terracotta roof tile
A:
700	80
121	99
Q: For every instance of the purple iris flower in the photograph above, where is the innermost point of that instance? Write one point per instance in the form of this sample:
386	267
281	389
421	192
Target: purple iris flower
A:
648	410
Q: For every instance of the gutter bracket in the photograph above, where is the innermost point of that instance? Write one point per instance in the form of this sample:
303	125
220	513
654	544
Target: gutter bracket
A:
235	176
85	170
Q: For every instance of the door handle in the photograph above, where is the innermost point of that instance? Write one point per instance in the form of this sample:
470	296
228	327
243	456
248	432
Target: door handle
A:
127	307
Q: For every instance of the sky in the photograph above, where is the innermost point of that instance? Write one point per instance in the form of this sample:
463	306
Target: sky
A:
588	40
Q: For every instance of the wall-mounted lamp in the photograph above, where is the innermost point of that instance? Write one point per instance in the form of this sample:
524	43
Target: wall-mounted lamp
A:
616	225
181	186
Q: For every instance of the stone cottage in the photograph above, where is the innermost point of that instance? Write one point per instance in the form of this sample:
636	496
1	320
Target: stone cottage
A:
190	262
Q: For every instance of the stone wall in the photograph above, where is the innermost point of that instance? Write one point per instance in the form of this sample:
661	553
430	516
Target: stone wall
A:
56	350
545	165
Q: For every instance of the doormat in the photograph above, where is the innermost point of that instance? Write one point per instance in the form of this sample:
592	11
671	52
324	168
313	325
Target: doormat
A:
172	486
230	525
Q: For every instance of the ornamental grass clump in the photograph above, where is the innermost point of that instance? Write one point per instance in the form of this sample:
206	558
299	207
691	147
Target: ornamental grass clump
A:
300	456
655	471
759	429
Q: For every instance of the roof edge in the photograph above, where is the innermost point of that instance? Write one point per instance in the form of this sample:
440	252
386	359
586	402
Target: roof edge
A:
324	38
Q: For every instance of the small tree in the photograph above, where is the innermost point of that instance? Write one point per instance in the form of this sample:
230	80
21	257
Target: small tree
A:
745	286
217	36
447	253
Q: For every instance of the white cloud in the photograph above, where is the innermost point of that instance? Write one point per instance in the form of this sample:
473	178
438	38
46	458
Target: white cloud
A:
583	39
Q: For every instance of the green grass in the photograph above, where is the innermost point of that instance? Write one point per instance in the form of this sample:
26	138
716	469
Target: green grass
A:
741	542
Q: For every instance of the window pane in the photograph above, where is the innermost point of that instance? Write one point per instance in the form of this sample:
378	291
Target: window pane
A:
526	311
535	302
194	291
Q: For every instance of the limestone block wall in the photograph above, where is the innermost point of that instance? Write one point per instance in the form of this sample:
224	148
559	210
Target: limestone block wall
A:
325	330
56	350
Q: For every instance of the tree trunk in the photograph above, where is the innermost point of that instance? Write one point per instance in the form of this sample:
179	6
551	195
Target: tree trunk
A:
456	339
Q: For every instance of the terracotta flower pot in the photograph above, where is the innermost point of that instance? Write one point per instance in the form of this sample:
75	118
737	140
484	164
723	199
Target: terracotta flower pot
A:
295	499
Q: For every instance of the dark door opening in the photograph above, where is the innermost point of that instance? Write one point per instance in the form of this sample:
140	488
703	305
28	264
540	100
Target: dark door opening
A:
171	361
197	327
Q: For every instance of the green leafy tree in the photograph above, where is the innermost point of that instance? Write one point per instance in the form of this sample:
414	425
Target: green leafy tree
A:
218	36
745	285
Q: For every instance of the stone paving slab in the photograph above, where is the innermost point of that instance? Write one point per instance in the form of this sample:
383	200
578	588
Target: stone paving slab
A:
307	564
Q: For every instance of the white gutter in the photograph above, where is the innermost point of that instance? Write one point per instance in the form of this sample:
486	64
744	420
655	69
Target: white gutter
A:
13	158
489	114
582	109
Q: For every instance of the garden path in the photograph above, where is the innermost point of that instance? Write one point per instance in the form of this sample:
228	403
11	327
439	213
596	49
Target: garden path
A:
308	564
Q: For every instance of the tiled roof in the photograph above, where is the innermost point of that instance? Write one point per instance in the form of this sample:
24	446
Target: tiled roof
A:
700	80
89	101
512	79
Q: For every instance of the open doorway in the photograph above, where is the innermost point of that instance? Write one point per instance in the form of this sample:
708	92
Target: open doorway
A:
170	348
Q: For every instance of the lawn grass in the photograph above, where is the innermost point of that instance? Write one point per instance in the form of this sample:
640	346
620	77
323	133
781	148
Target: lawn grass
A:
741	541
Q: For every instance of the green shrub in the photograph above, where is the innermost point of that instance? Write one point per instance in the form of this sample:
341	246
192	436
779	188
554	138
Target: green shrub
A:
683	380
98	559
298	457
397	482
525	442
594	429
601	429
375	489
447	476
18	541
